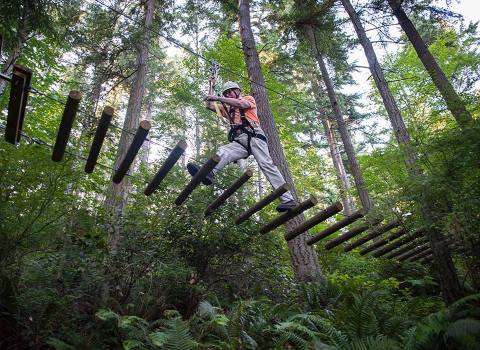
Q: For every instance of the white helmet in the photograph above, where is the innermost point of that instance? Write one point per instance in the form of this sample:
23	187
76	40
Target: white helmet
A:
230	85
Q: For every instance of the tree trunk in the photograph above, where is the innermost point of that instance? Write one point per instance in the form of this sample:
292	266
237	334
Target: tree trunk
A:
342	177
15	54
448	278
118	195
342	128
453	101
304	258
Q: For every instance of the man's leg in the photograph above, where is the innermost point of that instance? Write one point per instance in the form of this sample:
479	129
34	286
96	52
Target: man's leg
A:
273	175
230	153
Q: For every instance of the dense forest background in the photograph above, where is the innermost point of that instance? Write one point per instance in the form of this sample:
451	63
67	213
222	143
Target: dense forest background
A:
88	264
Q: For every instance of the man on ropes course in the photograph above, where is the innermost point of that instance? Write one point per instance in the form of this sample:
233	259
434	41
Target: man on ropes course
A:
246	138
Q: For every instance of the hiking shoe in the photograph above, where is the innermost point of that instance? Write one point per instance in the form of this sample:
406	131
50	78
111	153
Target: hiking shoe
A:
194	168
286	206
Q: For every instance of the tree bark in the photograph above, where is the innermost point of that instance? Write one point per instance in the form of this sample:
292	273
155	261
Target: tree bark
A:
448	278
304	258
118	195
342	128
453	101
15	54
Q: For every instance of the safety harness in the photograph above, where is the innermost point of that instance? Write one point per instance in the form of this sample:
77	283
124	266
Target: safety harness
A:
244	128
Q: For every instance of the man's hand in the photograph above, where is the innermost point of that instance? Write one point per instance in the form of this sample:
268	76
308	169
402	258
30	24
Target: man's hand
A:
211	98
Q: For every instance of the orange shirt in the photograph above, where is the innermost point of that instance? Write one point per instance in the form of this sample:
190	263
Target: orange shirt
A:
250	113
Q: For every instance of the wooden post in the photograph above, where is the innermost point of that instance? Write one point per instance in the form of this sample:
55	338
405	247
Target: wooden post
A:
335	227
314	220
352	233
98	139
262	203
383	241
414	251
172	158
421	255
228	192
284	217
407	247
197	179
20	87
397	244
68	116
375	233
132	151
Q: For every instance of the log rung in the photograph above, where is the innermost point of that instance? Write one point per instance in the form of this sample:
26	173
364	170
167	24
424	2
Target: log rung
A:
20	87
421	255
337	226
172	158
375	233
350	234
98	139
397	243
281	219
132	151
383	241
197	179
406	248
414	251
228	192
68	116
314	220
262	203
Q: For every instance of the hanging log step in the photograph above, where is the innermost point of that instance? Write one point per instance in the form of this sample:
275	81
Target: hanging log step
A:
383	241
397	244
98	139
283	218
337	226
228	192
427	260
132	151
262	203
172	158
197	179
20	87
352	233
413	252
373	234
406	248
65	128
419	256
314	220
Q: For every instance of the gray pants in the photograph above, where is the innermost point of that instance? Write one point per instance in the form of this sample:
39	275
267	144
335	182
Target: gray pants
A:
233	151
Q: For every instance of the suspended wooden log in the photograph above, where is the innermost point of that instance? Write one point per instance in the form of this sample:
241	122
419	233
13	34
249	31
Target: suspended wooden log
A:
20	87
397	244
373	234
427	260
383	241
335	227
314	220
284	217
262	203
421	255
228	192
98	139
172	158
197	179
68	116
407	247
352	233
132	151
414	252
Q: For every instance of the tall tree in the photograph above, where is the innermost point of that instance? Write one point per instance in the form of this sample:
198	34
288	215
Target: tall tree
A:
118	194
443	261
452	99
342	127
304	258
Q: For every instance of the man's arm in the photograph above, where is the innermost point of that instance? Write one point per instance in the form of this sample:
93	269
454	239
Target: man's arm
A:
234	102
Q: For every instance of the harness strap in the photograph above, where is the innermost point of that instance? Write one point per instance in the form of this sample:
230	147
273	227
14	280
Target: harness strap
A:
243	128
